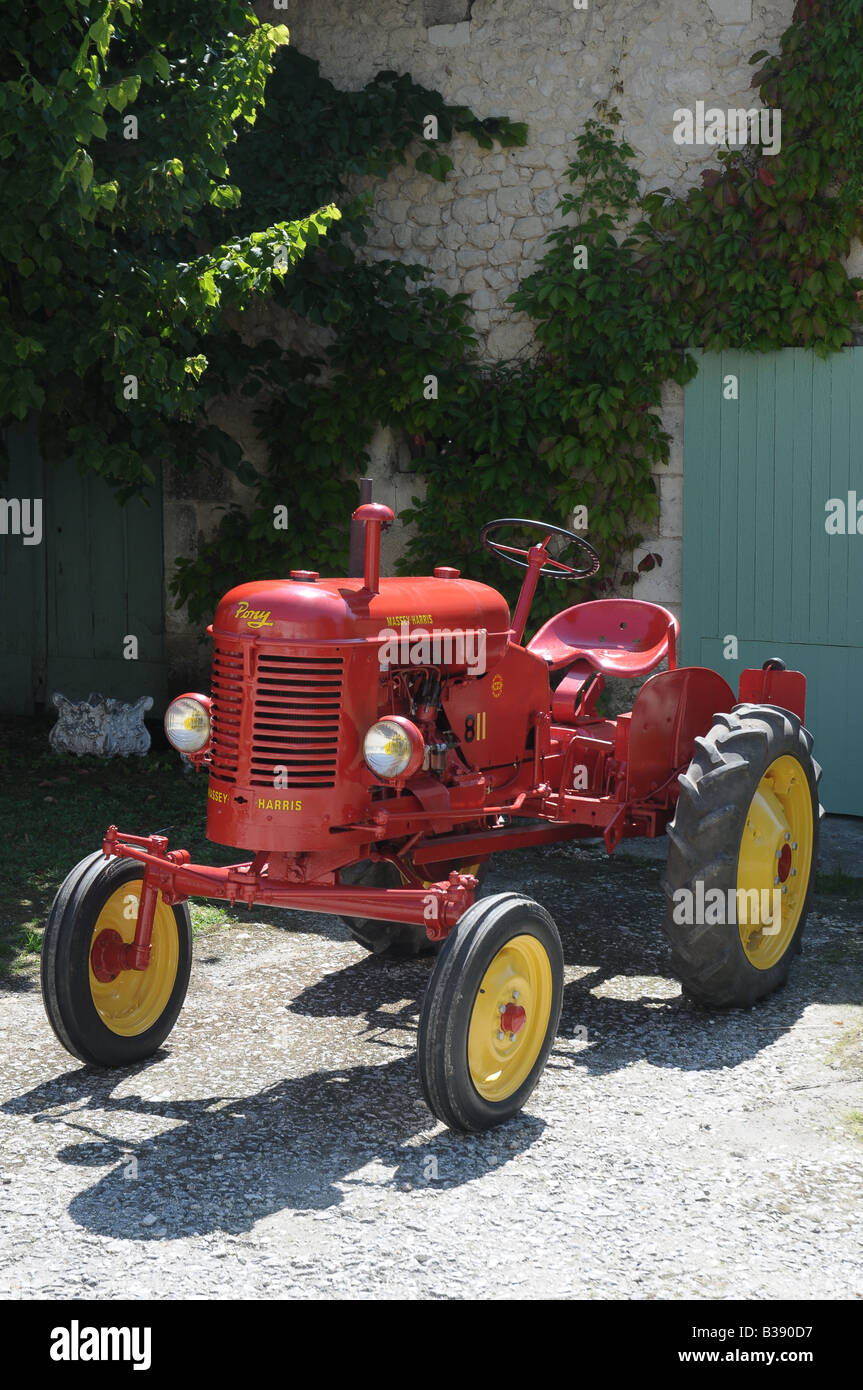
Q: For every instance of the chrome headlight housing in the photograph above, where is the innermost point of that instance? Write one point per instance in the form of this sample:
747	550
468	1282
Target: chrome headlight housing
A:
393	747
187	723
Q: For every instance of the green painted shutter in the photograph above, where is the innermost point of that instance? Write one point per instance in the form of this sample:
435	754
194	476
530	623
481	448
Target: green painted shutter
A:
758	563
69	604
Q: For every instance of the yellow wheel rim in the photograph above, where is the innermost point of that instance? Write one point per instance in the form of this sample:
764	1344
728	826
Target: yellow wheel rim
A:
136	999
518	979
775	858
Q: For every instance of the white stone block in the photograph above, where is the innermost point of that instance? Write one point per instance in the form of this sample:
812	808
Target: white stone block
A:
546	201
449	35
468	259
732	11
394	209
479	183
527	227
425	216
506	252
485	236
470	211
515	201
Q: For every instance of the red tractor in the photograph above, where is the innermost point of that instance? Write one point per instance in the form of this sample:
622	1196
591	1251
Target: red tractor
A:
371	742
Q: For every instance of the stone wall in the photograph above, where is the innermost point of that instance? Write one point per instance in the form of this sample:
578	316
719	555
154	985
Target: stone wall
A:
544	62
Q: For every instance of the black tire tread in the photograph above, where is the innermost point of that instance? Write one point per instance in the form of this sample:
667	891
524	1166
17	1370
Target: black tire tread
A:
451	988
61	977
704	836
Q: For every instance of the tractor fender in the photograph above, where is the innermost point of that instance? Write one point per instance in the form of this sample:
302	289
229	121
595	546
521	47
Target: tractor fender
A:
671	709
772	684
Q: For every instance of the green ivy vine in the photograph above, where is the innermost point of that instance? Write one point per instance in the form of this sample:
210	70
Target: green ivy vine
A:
752	257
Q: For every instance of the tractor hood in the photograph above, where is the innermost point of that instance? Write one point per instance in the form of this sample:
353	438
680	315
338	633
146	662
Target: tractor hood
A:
305	610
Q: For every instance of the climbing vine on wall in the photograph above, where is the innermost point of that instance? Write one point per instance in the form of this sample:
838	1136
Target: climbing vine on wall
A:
629	284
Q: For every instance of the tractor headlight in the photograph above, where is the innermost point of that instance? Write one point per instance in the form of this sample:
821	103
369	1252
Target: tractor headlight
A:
393	747
187	723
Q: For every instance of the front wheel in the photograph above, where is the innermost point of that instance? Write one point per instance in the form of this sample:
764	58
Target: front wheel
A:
490	1013
744	844
112	1020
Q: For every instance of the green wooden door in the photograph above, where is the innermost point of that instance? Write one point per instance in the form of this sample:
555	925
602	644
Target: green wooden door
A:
70	605
758	562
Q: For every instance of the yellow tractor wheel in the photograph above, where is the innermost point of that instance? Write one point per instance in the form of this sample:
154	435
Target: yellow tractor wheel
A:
103	1014
491	1012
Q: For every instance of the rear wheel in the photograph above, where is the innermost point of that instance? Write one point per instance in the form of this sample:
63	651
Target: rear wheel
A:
399	938
490	1012
746	824
102	1016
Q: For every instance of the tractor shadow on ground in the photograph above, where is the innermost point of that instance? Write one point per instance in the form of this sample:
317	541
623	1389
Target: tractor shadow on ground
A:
227	1162
386	992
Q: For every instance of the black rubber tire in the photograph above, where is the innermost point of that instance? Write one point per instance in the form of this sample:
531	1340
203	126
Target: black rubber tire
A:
442	1041
65	966
715	795
400	939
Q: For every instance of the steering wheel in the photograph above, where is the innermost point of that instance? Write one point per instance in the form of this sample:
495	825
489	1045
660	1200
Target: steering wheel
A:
556	569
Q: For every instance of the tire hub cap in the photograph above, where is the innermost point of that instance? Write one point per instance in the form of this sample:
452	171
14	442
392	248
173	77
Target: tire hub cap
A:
108	956
513	1018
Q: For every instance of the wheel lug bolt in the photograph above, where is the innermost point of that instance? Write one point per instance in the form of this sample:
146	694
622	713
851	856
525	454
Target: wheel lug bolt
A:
785	888
776	880
787	836
515	994
793	872
501	1008
794	845
500	1037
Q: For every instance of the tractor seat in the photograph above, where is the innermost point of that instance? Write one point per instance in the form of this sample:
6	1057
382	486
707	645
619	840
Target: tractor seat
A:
616	636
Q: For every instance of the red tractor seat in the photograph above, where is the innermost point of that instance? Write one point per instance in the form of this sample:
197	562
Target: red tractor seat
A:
616	636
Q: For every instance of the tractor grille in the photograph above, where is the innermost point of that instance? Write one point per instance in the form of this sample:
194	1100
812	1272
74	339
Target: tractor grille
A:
296	705
227	694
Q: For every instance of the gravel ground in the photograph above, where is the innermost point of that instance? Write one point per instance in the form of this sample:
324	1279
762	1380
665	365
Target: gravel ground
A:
279	1145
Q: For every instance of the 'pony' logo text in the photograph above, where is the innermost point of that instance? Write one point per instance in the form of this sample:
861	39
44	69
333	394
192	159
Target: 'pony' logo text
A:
253	617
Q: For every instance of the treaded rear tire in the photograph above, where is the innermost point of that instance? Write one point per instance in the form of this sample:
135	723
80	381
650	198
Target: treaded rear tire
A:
715	797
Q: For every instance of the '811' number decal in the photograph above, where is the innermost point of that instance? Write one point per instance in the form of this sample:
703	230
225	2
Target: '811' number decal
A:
474	727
